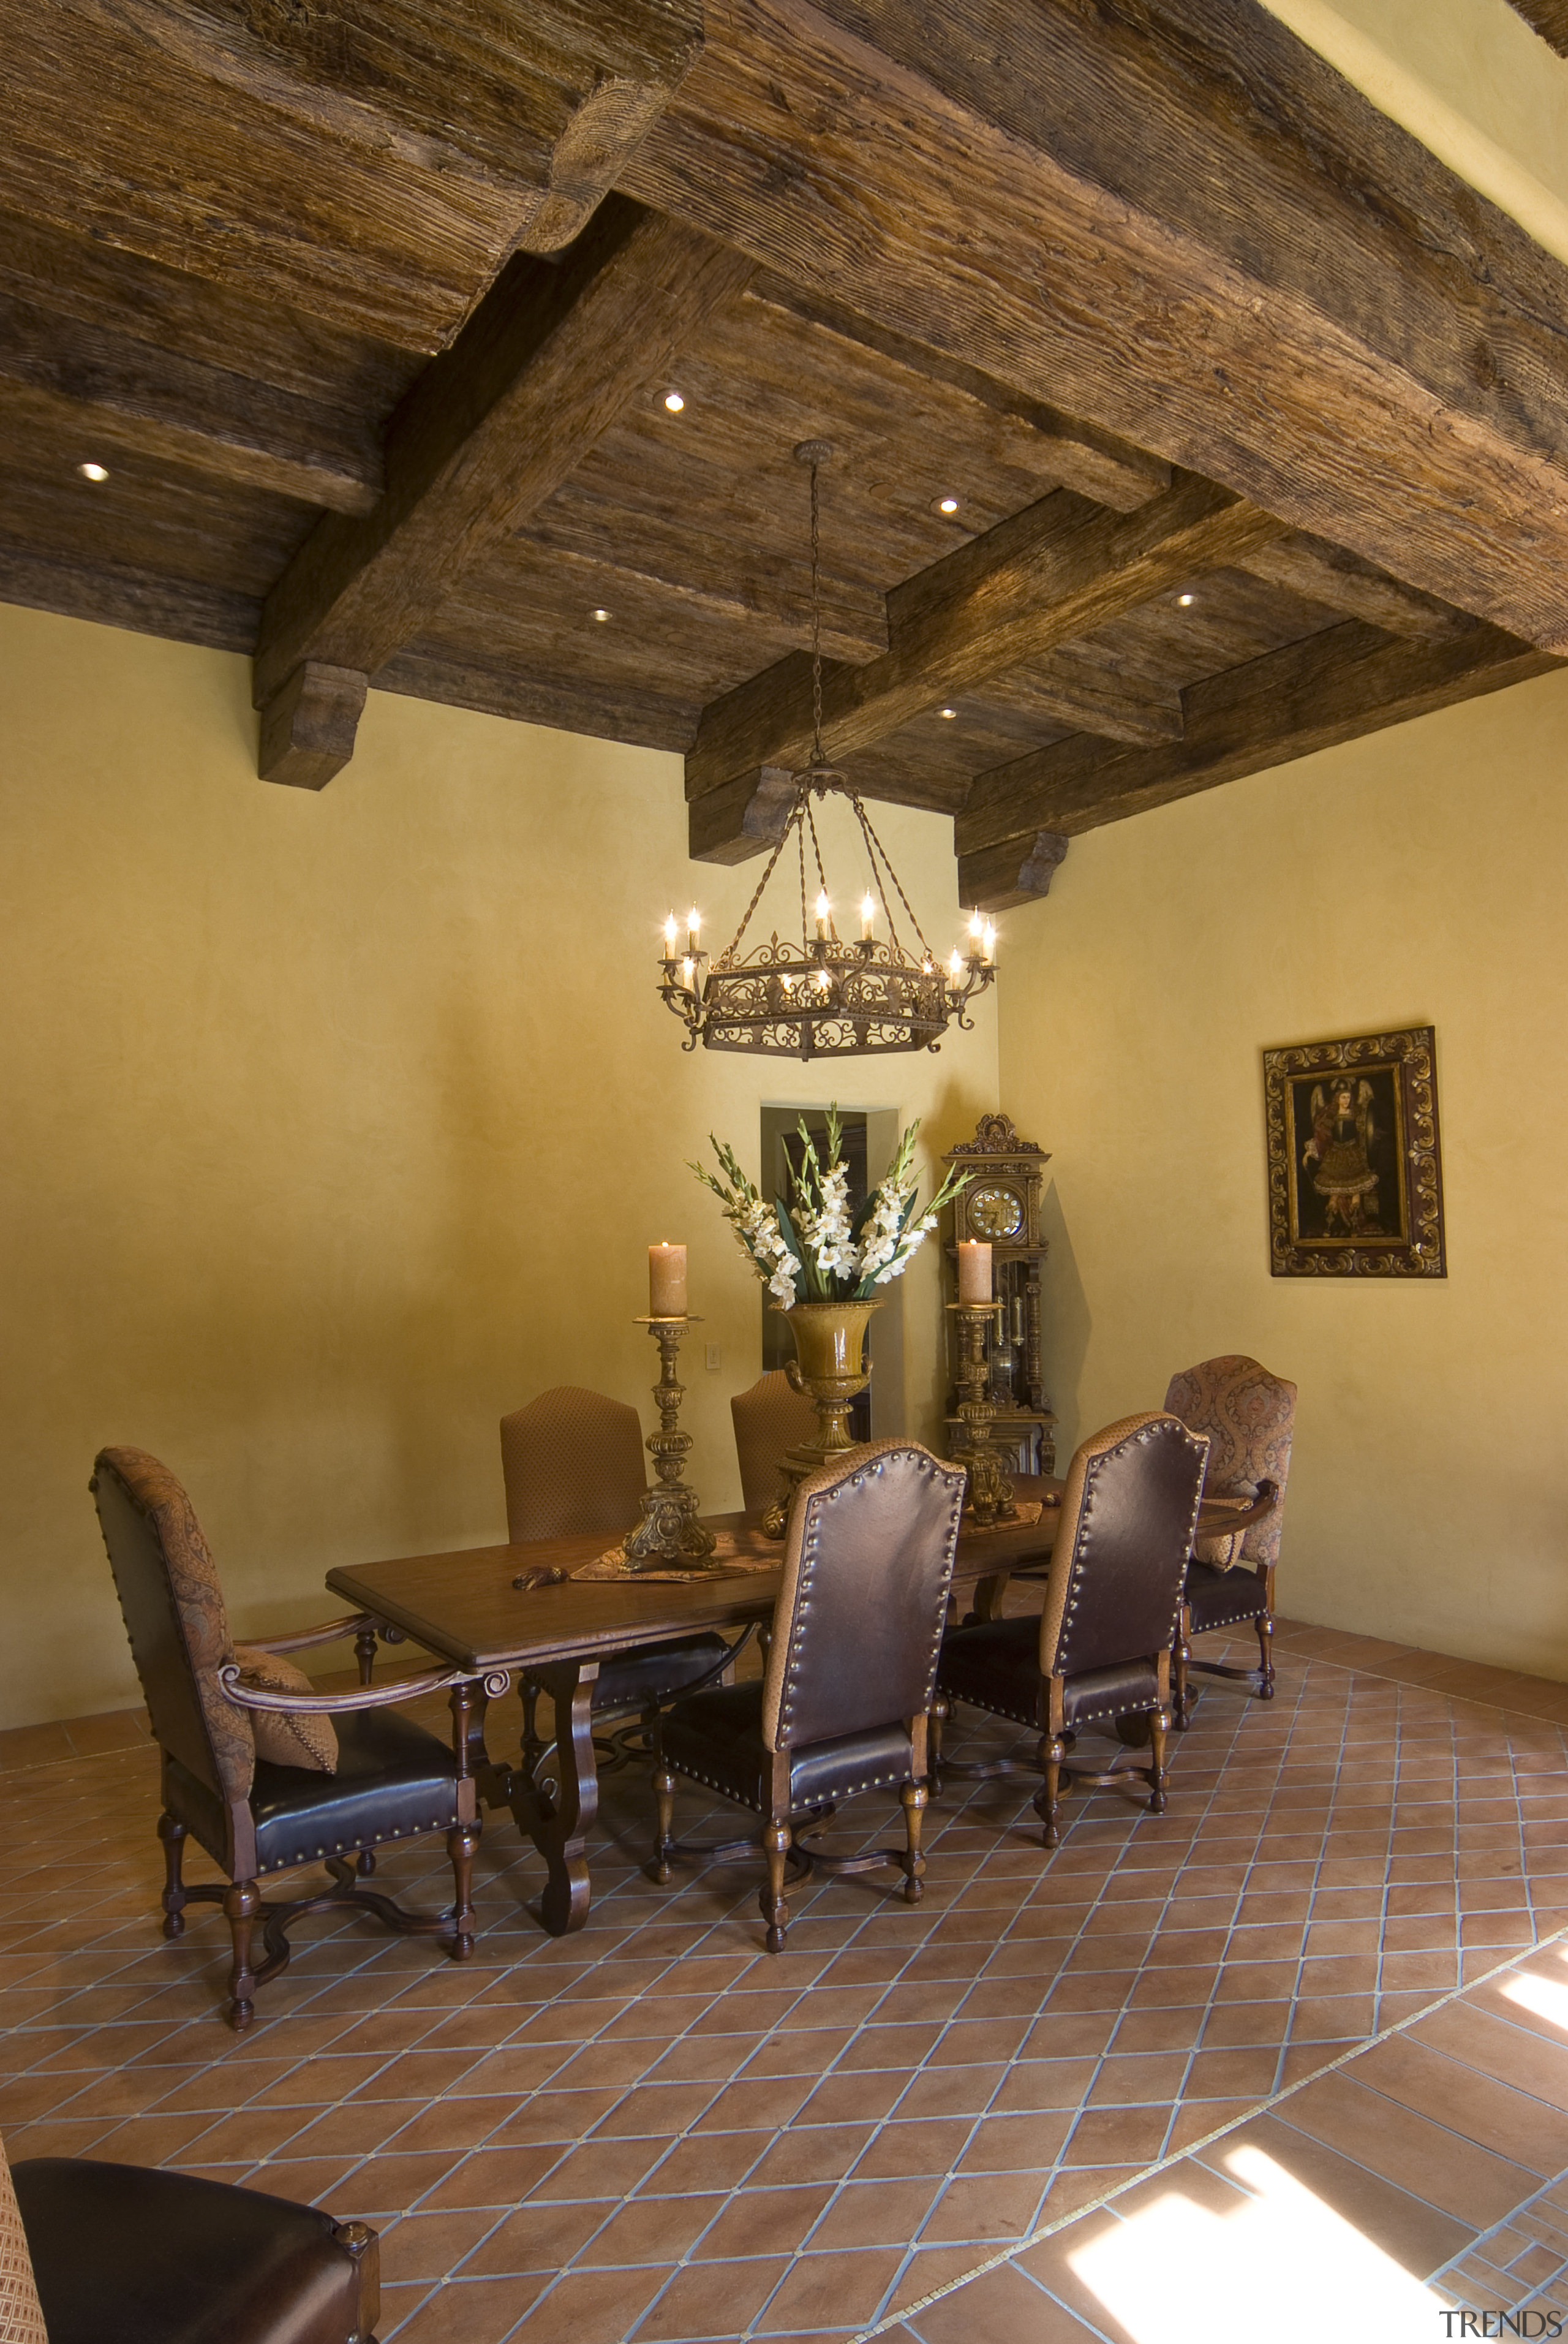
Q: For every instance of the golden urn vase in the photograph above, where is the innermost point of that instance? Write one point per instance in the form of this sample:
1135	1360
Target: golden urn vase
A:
829	1364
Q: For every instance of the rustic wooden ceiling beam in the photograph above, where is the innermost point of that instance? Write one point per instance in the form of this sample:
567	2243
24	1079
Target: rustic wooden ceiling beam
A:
372	164
114	391
1331	688
1272	283
1327	573
1059	570
543	369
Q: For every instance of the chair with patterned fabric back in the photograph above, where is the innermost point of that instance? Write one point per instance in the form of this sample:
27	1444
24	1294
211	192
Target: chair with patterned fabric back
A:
574	1463
1249	1418
263	1772
770	1417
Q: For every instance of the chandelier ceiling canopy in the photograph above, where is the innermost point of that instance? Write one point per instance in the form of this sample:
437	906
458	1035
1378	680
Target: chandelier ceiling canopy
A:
827	996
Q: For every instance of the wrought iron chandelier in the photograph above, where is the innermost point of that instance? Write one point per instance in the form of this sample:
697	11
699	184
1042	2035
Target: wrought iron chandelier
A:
828	995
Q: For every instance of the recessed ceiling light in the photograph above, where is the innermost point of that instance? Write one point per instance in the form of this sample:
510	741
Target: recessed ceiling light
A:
1186	600
949	711
601	616
93	471
674	401
947	504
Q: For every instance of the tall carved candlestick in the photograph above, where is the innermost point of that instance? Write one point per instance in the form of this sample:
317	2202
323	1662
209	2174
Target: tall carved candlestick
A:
990	1496
670	1531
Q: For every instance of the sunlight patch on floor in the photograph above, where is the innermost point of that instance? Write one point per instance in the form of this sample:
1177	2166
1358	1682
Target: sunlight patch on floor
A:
1285	2264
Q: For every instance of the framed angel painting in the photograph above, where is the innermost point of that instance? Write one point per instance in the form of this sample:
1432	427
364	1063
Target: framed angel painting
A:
1355	1175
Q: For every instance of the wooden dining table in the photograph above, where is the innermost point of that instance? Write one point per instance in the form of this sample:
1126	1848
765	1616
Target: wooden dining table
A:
466	1607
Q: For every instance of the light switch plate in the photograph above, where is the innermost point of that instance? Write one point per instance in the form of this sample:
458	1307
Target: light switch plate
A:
714	1355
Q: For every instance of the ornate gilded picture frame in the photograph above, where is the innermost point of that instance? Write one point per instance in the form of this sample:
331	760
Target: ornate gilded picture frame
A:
1355	1174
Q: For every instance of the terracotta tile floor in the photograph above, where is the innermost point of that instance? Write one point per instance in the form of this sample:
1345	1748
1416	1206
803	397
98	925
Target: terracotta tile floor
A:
655	2131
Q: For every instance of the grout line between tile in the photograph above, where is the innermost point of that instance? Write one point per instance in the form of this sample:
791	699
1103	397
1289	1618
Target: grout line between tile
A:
1164	2164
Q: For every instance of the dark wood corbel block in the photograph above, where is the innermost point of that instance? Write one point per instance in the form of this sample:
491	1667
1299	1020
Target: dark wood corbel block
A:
744	818
1017	870
308	726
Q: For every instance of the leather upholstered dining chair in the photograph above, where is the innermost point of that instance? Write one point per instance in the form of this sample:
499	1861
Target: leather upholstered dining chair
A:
388	1779
92	2253
1101	1649
770	1417
574	1462
1249	1418
867	1562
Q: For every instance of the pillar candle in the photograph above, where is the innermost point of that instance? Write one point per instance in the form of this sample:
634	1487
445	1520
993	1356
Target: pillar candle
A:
667	1281
974	1273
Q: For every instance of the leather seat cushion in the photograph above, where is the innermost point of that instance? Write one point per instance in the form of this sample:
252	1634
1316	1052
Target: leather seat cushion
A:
126	2254
653	1672
996	1667
716	1738
1223	1599
394	1780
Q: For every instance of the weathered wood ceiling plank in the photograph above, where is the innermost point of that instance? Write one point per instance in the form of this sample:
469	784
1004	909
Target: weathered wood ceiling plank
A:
1028	432
1349	681
125	394
543	369
1271	283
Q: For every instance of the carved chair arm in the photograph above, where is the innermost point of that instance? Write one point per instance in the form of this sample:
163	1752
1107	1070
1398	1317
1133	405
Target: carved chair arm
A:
1263	1508
230	1679
331	1632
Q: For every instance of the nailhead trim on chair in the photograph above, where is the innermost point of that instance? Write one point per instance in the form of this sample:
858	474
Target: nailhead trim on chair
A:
842	1790
352	1848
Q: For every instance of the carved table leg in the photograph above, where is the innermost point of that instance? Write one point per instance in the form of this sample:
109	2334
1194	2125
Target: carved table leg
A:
558	1823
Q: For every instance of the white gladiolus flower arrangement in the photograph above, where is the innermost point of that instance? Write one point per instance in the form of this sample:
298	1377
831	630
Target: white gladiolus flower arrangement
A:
811	1249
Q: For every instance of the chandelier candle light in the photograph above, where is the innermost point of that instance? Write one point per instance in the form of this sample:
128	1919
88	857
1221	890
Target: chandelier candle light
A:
828	995
822	1267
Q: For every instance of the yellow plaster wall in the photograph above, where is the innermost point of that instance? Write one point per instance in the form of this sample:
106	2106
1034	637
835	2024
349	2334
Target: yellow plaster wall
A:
336	1126
1416	876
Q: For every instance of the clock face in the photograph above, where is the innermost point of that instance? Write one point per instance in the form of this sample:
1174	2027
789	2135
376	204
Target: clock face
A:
995	1213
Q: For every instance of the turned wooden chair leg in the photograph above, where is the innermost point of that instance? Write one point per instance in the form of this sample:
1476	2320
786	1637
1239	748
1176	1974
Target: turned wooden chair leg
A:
1266	1648
172	1836
1180	1655
1159	1726
365	1654
936	1718
1052	1750
912	1797
241	1904
775	1911
462	1846
664	1828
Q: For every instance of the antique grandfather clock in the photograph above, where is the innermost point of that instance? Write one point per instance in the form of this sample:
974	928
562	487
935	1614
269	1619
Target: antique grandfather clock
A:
1001	1205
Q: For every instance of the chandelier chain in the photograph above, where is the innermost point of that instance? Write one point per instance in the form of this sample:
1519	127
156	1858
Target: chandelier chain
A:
816	756
867	826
